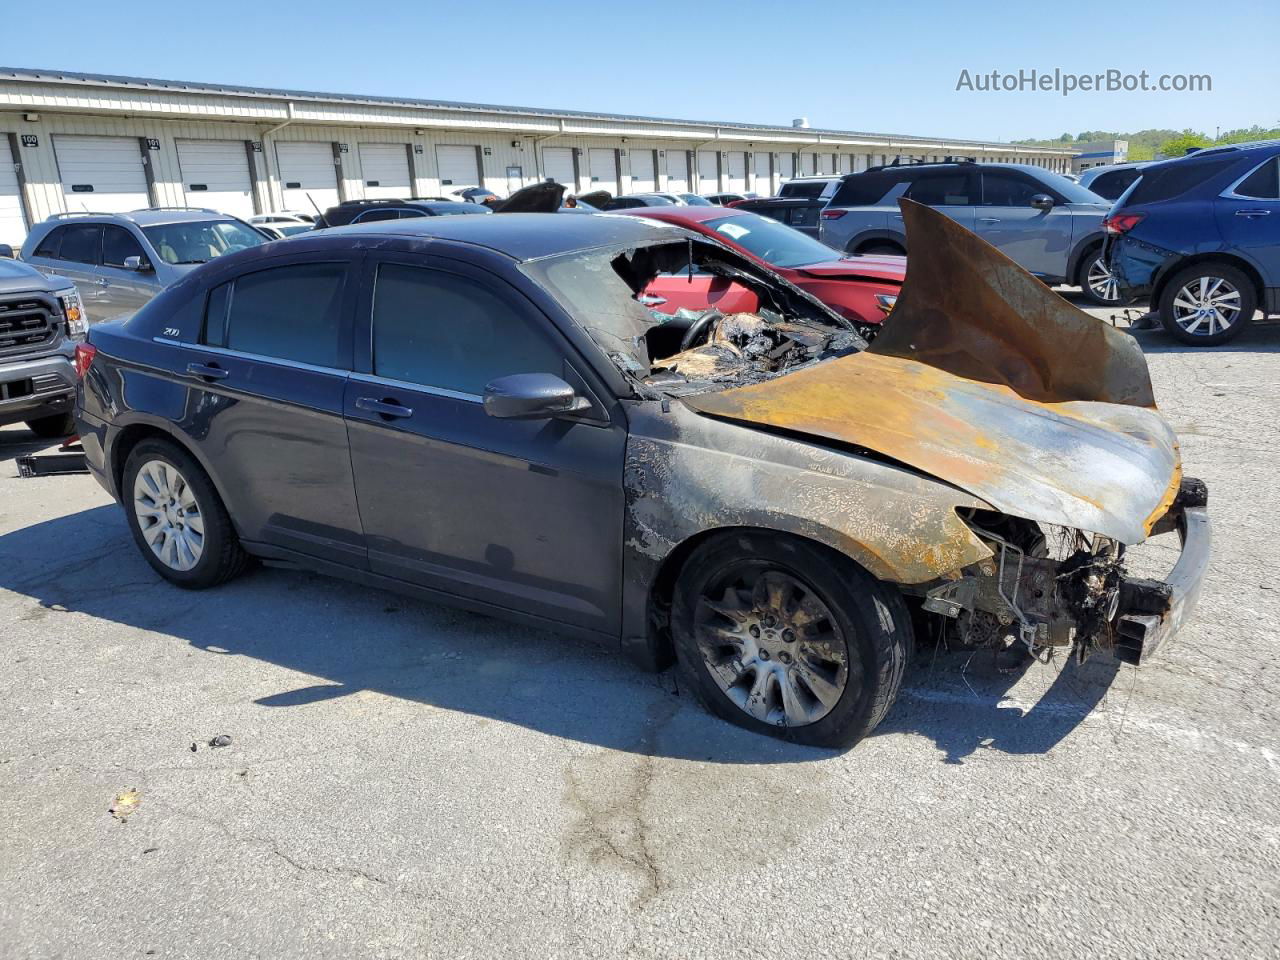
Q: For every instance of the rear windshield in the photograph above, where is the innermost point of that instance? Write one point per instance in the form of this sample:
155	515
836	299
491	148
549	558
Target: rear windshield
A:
803	188
1161	183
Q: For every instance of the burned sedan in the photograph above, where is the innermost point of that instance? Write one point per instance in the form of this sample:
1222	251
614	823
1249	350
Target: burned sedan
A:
483	411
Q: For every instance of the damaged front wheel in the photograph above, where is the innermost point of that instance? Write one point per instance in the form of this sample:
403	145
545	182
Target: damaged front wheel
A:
786	637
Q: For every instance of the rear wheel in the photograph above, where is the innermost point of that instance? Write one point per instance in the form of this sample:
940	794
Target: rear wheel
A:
177	518
784	637
883	249
1207	304
59	425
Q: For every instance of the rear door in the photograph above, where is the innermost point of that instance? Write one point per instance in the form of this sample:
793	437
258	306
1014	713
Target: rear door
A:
952	192
73	251
1249	219
1037	240
526	515
121	291
266	386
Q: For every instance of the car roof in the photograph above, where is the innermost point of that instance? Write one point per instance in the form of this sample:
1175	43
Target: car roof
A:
691	214
520	236
143	218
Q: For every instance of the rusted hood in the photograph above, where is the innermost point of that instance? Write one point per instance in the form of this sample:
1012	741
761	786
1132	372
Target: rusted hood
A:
986	379
1103	467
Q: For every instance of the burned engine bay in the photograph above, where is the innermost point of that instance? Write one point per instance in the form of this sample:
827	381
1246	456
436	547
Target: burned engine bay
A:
692	351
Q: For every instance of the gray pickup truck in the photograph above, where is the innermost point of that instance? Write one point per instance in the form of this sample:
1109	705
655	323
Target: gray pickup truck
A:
41	321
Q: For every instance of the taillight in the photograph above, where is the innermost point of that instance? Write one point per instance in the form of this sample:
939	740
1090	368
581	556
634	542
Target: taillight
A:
1122	222
85	353
833	214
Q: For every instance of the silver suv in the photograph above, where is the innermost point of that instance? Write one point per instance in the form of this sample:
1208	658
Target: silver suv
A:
1047	224
119	261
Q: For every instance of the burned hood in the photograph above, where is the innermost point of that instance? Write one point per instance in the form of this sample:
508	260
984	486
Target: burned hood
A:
1102	467
987	380
544	197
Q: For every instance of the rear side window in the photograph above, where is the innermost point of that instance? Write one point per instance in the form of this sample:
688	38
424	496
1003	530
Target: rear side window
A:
865	189
1109	186
118	243
442	330
943	190
49	245
1176	179
1004	190
293	313
1263	183
807	188
80	243
372	216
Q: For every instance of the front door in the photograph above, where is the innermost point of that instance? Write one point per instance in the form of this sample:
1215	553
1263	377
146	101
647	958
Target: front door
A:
525	515
122	291
1037	240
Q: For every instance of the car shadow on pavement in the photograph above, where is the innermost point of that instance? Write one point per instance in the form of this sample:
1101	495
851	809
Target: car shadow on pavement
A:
345	639
1259	338
20	443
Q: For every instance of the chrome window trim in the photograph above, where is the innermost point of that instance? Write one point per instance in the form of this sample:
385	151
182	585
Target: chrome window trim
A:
261	357
1230	192
419	387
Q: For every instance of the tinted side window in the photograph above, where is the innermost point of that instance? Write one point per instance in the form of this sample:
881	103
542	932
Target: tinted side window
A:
943	190
80	243
371	216
1263	183
118	243
49	245
865	189
1004	190
809	188
293	313
407	213
1109	186
442	330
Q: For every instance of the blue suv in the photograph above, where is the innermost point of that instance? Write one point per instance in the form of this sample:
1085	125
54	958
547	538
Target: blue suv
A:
1200	235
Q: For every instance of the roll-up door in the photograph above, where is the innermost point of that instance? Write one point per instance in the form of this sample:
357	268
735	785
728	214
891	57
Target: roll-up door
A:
215	173
643	179
557	165
737	171
678	171
604	169
13	228
708	172
458	167
764	174
307	171
385	170
103	174
786	166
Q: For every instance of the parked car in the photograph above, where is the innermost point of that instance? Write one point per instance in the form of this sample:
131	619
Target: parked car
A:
119	261
473	194
371	211
810	187
693	200
1041	220
282	217
862	289
724	199
42	318
759	497
1200	235
278	231
630	201
1111	180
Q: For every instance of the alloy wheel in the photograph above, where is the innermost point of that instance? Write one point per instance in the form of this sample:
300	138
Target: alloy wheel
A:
1100	281
772	645
168	515
1206	306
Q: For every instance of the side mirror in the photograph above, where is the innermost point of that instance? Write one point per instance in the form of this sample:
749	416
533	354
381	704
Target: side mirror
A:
6	251
137	264
531	396
1042	201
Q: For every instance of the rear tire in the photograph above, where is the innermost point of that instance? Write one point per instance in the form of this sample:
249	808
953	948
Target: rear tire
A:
1198	298
883	249
58	425
177	518
785	637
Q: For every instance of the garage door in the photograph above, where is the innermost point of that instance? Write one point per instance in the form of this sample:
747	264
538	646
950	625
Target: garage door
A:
557	165
458	167
385	168
678	171
764	175
215	173
708	172
103	174
13	229
737	171
604	169
307	175
786	166
643	179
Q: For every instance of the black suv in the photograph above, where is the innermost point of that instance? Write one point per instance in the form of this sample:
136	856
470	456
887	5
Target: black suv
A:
371	211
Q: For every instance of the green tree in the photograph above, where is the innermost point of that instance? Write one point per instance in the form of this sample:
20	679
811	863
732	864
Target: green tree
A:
1179	145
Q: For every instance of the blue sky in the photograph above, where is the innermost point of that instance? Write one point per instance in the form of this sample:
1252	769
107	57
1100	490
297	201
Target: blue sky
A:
882	67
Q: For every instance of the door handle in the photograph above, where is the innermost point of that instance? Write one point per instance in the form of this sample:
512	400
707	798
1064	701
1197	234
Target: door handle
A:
210	371
988	219
651	300
1252	213
384	408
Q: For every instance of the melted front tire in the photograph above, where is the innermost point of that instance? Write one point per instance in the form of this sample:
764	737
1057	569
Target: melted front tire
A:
786	637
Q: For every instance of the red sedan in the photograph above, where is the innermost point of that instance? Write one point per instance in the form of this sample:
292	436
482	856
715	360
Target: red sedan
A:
862	289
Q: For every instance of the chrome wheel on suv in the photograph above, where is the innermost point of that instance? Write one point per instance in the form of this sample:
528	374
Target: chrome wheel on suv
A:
1207	303
1100	283
168	515
1210	304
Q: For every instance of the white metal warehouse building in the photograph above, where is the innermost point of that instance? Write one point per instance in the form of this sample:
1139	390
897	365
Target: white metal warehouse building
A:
71	142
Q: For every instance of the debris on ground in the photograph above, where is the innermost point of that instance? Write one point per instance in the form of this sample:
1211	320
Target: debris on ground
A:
125	804
221	740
